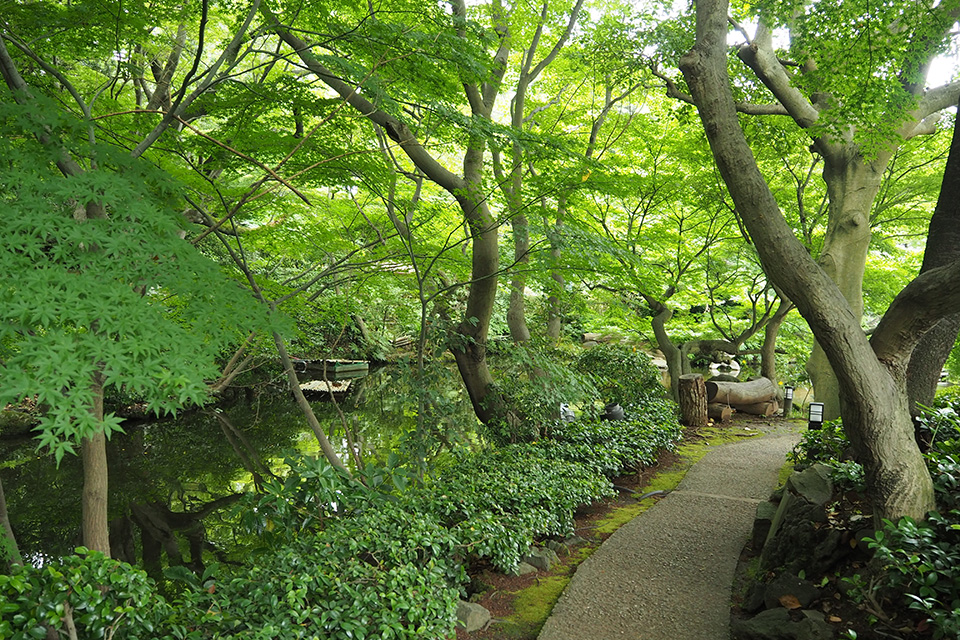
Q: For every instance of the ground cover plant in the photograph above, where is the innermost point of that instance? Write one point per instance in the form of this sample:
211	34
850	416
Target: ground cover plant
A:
908	581
381	554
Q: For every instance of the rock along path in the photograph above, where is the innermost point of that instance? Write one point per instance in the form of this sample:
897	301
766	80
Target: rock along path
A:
668	573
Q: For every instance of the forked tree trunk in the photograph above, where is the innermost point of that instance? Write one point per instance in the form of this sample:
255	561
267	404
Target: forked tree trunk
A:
852	186
469	341
671	353
874	395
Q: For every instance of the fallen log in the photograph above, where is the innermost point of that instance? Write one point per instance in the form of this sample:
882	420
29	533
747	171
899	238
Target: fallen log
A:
766	408
719	412
737	393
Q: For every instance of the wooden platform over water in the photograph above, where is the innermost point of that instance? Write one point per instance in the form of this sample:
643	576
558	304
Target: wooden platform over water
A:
332	368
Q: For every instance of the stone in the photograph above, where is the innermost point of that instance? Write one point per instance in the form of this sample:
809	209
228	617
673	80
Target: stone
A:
753	600
613	411
813	484
471	616
813	627
772	624
787	585
542	559
724	377
778	624
574	540
522	569
766	512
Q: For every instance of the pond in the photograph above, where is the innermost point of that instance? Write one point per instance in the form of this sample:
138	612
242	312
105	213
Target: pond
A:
172	480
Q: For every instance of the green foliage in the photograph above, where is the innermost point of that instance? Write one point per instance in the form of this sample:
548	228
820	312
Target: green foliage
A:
381	573
614	447
498	502
953	366
535	382
827	444
848	475
921	561
120	298
99	596
624	374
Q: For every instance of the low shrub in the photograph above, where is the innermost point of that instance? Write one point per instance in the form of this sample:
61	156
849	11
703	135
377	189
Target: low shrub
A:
336	558
614	447
498	501
920	561
622	373
96	596
827	444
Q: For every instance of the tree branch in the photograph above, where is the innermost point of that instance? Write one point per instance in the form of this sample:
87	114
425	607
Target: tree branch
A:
929	297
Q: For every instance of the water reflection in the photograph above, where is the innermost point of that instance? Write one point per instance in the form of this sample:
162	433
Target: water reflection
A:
172	481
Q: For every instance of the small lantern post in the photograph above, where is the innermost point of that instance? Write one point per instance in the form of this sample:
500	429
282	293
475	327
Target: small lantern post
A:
815	419
787	401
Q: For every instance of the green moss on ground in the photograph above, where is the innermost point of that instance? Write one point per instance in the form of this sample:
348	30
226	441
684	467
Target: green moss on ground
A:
533	605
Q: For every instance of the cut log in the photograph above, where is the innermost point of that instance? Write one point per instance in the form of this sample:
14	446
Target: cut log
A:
693	400
737	393
767	408
719	412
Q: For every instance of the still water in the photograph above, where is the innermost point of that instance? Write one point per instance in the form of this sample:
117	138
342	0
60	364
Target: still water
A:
163	469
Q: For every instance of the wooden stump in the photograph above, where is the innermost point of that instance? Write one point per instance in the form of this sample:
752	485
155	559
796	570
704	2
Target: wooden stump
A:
693	400
719	412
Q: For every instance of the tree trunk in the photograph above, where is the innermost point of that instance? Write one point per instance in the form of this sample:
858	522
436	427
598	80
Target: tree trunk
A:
471	350
96	529
305	407
516	312
766	408
671	353
469	345
768	351
852	186
943	247
693	400
874	406
96	523
554	315
719	412
8	544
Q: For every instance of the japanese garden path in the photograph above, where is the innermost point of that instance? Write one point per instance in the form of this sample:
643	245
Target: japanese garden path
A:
668	573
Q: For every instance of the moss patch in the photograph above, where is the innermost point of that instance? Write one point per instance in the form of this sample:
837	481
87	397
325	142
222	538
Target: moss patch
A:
533	605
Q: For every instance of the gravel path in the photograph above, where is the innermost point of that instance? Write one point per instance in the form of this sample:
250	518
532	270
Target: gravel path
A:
667	574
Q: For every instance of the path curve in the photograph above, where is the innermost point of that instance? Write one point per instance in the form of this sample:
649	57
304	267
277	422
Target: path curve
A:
667	574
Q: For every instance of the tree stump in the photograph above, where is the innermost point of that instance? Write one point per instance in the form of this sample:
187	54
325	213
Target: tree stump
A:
693	400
